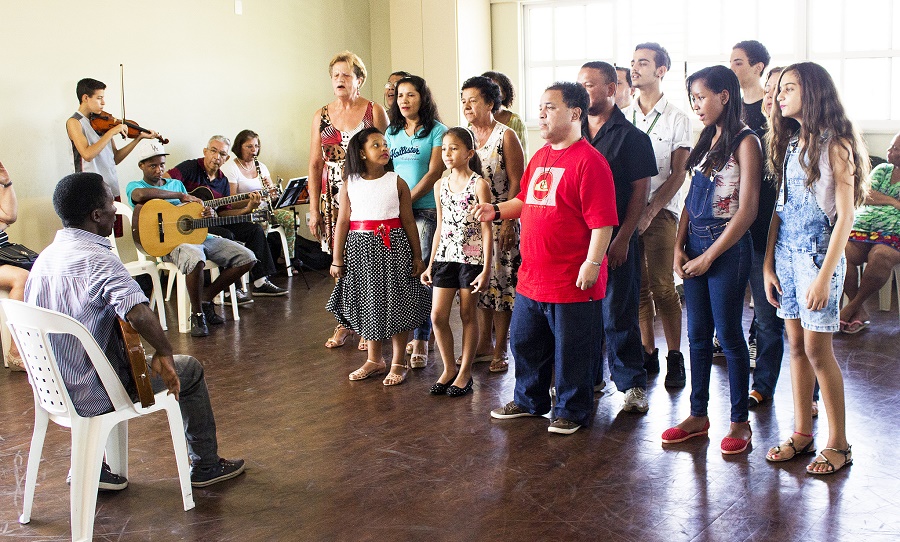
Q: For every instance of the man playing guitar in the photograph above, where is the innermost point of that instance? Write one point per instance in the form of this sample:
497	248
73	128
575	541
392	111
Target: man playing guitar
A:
79	275
233	258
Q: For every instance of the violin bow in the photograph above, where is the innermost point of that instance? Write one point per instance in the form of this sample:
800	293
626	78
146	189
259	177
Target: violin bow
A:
122	83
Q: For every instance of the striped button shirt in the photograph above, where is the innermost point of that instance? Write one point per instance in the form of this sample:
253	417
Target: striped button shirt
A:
79	275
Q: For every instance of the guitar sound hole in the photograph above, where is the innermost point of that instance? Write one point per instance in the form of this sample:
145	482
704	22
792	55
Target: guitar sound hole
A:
185	224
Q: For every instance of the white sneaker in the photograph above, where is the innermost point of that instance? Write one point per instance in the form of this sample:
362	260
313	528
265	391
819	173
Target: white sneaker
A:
636	400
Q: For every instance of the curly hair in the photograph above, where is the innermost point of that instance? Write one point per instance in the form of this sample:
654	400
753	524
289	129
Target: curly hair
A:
78	195
824	123
490	91
506	87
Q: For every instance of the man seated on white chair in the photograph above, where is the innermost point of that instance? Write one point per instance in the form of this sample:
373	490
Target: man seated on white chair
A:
79	275
234	259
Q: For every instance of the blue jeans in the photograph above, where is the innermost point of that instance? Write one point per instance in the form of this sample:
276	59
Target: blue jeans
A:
715	300
621	325
769	332
426	223
199	424
561	339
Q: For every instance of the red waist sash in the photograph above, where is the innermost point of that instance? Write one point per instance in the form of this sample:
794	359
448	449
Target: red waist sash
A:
381	228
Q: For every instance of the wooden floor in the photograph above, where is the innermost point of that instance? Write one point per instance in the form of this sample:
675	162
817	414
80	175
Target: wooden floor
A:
330	459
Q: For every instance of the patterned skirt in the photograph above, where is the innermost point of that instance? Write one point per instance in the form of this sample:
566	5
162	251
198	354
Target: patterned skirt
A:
501	293
880	237
377	297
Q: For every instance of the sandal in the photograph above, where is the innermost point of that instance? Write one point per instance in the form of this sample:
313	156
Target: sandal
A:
418	361
478	358
815	409
777	454
362	373
363	345
16	363
498	365
340	336
394	379
848	460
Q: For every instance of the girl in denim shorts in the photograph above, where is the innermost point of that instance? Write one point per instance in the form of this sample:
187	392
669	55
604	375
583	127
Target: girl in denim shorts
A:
713	250
821	167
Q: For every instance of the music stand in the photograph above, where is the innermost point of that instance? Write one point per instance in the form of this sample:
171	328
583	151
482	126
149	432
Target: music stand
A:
294	190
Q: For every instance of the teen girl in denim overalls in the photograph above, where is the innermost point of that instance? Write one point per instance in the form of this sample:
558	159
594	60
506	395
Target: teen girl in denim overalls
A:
713	250
822	170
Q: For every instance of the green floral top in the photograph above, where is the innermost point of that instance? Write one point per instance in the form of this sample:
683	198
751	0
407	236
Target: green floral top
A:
879	223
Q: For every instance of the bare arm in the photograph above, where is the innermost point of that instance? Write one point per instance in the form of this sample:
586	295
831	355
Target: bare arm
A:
842	166
588	273
484	212
145	322
436	167
879	198
381	118
667	190
618	248
143	195
515	166
9	205
316	166
87	151
681	256
481	282
749	158
436	239
770	279
341	227
409	225
120	154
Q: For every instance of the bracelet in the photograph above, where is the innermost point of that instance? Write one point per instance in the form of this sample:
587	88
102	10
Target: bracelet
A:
7	185
592	262
496	212
336	265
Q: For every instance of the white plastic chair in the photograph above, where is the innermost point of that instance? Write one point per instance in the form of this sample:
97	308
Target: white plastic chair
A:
4	332
31	327
141	266
277	228
884	295
177	278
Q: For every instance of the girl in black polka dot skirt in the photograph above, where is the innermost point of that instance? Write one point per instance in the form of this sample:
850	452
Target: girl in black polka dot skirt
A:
377	257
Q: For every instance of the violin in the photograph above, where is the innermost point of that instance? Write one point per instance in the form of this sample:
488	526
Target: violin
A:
102	122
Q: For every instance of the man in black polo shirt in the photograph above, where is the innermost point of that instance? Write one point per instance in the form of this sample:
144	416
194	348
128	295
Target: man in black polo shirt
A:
206	172
630	155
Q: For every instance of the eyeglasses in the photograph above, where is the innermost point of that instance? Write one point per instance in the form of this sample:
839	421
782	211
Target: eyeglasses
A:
223	154
389	86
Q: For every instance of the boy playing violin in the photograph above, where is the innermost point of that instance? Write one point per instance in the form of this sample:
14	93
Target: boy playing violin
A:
91	151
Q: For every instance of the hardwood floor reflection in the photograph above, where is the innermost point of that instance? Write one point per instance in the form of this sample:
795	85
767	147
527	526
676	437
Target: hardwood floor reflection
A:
330	459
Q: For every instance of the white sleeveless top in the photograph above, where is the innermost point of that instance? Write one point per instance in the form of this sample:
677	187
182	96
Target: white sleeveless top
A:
375	199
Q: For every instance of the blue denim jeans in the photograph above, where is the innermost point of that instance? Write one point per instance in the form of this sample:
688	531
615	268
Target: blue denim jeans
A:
426	223
715	300
561	339
621	324
769	332
199	423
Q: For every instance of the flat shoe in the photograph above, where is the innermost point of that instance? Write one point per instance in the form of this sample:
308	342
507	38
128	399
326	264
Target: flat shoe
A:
779	450
362	373
856	326
338	339
732	445
498	365
848	460
477	359
394	379
674	435
456	391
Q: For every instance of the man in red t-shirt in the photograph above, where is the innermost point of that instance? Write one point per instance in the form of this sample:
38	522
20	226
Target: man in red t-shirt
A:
568	209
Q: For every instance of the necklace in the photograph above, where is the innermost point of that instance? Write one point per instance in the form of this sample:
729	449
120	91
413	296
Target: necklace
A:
544	182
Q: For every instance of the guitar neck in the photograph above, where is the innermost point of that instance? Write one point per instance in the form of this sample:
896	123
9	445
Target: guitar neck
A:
227	200
222	220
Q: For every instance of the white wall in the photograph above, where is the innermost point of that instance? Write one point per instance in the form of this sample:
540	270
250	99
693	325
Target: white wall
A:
192	69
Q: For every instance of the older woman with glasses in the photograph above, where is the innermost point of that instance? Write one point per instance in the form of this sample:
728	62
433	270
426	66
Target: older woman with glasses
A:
332	127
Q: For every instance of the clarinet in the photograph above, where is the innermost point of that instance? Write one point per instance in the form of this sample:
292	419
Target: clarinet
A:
271	193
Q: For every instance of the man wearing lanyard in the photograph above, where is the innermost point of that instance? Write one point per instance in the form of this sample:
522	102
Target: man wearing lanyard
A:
670	133
630	156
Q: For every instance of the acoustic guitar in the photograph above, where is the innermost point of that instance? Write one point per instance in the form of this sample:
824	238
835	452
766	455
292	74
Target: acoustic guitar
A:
158	227
137	358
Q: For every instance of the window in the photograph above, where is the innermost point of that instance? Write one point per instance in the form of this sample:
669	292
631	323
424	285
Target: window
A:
859	47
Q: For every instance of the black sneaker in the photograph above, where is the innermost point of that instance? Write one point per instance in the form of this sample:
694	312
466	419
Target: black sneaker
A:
242	298
198	325
212	317
225	470
108	480
651	362
675	377
269	290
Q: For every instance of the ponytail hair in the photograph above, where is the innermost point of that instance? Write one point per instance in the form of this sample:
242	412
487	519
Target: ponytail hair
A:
467	138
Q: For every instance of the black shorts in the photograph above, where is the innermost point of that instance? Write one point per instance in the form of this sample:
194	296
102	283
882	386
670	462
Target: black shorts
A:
454	274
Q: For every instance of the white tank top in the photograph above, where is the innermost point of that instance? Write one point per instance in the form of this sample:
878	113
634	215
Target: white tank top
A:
375	199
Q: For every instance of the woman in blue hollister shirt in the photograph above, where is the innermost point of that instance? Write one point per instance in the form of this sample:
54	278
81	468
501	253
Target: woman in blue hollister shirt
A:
414	138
